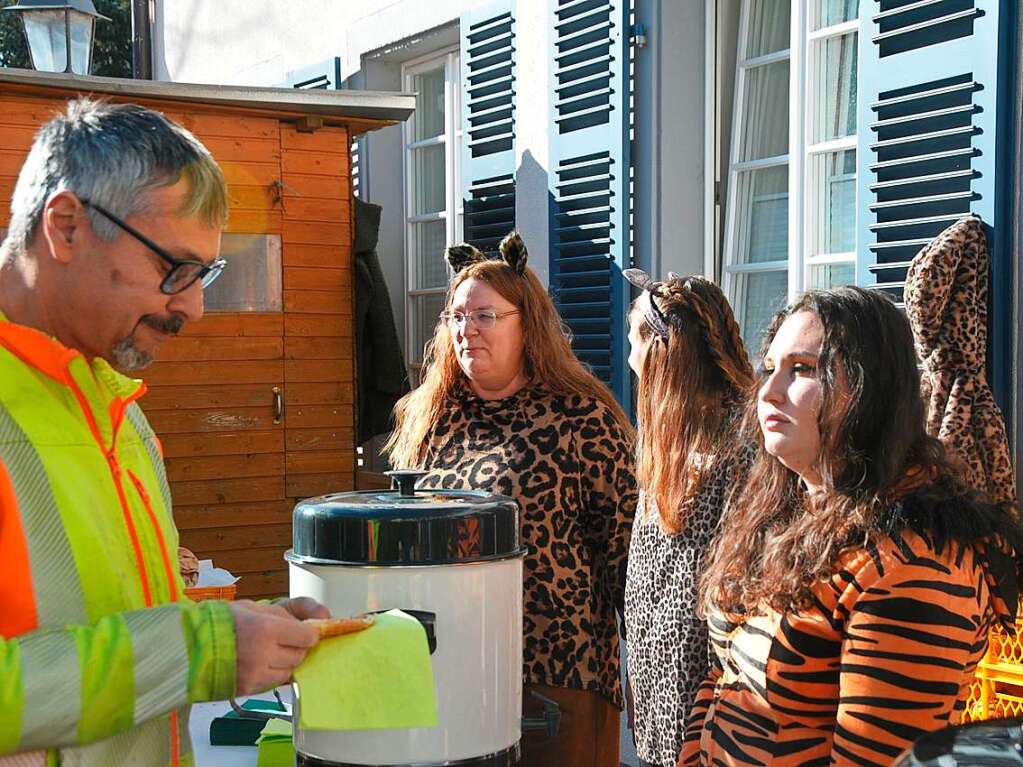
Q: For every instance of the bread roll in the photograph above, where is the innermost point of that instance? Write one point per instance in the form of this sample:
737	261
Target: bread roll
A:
188	564
332	627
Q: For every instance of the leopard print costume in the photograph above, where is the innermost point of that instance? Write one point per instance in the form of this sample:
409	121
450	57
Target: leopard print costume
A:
669	645
946	300
569	464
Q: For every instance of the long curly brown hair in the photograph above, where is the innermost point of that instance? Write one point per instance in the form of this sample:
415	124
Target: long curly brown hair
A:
776	541
549	361
690	385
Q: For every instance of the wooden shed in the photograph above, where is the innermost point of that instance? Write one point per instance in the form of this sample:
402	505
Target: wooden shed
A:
254	404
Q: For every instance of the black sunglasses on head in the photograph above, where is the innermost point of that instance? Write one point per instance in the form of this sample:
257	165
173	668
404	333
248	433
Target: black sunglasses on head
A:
183	272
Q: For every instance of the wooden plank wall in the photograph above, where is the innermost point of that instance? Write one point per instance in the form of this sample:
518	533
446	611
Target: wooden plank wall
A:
318	313
235	476
238	511
20	118
210	397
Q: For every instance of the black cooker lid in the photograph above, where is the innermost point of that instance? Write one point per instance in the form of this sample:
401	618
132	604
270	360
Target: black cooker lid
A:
405	526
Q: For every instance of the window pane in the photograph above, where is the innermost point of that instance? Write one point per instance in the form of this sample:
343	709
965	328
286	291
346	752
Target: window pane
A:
428	167
45	32
430	242
829	12
429	88
768	27
761	219
758	296
425	312
826	276
834	71
252	280
834	210
765	112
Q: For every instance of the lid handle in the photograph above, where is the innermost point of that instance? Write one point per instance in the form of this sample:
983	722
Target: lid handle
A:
404	480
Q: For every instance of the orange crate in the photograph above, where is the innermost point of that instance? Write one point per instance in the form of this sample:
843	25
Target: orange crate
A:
199	593
997	690
1006	706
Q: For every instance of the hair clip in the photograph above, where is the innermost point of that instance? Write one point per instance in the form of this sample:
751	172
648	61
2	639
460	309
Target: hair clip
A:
651	312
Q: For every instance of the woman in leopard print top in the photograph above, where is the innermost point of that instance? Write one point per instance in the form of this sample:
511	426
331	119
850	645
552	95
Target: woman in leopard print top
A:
505	407
694	376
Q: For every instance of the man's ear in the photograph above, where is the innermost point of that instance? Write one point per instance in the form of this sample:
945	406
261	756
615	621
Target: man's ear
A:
62	215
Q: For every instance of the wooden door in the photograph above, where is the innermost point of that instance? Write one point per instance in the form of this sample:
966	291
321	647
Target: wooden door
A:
318	313
211	402
212	391
235	473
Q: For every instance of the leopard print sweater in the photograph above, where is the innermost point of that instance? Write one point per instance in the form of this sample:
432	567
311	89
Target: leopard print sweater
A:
568	462
946	301
668	643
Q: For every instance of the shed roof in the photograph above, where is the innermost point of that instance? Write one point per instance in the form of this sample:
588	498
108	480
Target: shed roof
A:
360	110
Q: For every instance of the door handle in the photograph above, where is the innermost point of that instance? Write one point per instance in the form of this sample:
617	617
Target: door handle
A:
278	405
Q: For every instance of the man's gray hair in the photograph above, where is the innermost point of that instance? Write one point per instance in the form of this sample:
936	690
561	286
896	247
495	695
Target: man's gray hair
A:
113	154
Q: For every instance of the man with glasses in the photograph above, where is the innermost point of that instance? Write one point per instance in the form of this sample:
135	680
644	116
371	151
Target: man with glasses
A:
115	230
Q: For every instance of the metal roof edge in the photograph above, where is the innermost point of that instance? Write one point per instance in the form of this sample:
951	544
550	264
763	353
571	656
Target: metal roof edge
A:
364	105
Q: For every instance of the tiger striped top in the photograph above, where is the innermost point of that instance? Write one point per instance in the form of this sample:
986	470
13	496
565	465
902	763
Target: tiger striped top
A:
887	652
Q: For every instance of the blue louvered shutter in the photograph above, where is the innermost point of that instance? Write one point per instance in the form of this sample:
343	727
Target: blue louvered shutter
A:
933	132
487	61
589	181
323	75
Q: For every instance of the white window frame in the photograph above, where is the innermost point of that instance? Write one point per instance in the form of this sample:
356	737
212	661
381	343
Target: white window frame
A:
809	188
803	187
451	139
730	269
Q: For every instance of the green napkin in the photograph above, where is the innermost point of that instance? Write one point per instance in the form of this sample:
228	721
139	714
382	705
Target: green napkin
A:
374	679
275	746
233	730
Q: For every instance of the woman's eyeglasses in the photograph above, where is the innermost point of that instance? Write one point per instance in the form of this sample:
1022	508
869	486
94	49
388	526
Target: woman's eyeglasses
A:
183	272
483	319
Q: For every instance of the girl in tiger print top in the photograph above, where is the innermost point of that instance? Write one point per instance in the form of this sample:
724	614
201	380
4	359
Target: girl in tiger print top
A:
854	579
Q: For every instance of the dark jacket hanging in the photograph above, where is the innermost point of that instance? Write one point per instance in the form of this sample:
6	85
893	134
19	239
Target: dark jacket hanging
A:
382	377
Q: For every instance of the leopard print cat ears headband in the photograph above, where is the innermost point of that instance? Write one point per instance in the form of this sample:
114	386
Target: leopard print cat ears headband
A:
512	251
651	311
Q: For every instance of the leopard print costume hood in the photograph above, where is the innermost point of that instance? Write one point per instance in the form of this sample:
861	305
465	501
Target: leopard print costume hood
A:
946	300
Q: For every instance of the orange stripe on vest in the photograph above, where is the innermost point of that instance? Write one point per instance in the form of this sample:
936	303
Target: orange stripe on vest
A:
18	615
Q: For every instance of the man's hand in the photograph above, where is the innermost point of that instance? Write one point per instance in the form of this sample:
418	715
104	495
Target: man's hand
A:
271	642
304	607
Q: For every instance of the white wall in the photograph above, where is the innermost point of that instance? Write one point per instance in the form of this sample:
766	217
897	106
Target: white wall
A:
380	184
258	42
532	132
668	150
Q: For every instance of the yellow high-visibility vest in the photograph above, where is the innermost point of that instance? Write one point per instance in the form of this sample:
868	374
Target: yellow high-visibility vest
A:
100	651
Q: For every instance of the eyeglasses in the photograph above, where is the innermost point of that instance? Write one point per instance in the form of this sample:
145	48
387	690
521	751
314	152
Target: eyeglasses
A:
484	319
183	272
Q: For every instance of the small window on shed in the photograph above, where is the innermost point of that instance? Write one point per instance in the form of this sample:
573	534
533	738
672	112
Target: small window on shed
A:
252	280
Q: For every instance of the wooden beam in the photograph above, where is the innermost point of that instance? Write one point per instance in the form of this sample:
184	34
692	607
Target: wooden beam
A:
309	123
